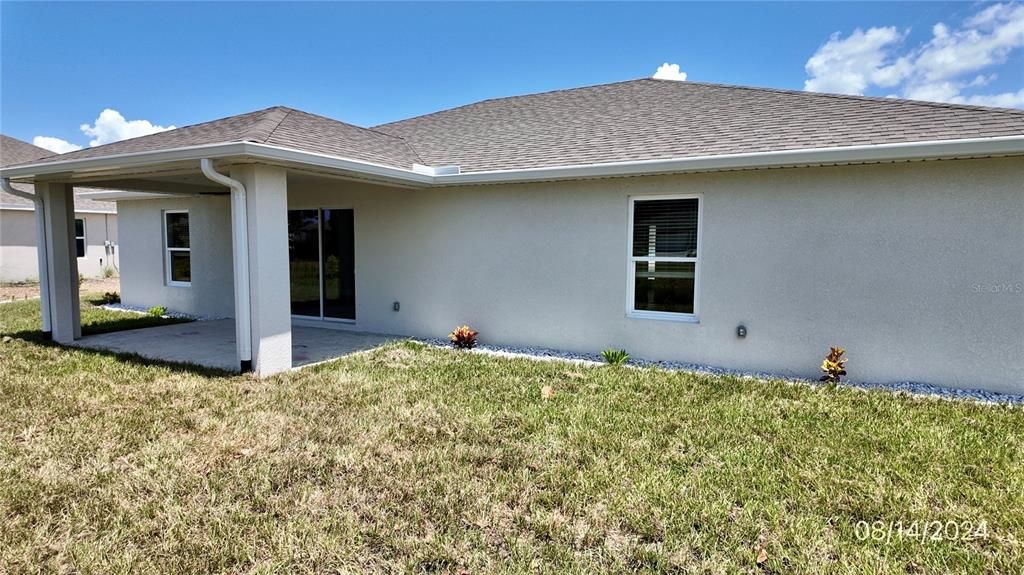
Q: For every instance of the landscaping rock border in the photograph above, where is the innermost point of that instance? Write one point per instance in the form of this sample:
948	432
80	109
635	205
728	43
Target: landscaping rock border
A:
908	387
144	311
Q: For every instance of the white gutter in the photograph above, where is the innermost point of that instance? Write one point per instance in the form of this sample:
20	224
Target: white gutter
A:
44	271
247	150
904	151
240	247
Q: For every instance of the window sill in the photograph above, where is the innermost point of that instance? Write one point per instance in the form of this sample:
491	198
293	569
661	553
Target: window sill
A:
664	316
179	284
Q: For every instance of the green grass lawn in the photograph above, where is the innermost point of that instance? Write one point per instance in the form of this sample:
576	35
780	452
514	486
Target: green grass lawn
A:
423	460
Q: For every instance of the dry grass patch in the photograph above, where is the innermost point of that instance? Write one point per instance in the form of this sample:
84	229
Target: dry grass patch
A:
423	460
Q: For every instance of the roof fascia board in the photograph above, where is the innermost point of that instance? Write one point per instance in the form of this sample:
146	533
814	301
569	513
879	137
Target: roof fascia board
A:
903	151
122	161
248	150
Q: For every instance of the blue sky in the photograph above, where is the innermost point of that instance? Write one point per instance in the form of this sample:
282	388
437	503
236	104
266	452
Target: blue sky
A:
61	65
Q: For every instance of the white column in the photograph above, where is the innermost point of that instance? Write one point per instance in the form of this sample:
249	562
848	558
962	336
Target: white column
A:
266	191
61	260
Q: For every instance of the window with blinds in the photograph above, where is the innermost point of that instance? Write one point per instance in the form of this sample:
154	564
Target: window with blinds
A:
664	256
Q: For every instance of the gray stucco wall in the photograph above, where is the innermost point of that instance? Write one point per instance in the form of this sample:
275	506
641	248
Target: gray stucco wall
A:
143	280
915	268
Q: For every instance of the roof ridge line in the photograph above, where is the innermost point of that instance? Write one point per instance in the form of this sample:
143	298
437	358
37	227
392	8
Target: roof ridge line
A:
880	99
287	112
499	98
368	129
858	97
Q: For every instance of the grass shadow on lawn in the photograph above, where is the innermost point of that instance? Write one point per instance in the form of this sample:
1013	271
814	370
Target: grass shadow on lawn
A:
21	320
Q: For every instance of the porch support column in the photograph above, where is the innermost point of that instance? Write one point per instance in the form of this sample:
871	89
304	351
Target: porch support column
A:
266	201
61	260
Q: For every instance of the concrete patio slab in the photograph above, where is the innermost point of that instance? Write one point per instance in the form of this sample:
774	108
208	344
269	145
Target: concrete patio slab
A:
212	343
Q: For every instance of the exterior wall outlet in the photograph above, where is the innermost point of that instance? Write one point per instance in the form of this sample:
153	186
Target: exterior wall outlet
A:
741	331
396	306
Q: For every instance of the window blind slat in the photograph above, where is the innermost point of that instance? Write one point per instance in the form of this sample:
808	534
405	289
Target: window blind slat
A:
665	228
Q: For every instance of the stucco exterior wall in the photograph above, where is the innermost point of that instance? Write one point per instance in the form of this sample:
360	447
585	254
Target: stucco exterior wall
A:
18	260
143	280
915	268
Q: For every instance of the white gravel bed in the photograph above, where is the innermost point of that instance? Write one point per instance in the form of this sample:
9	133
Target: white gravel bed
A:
909	387
145	311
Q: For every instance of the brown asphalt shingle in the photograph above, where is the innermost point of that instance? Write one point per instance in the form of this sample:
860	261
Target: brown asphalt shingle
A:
14	151
636	120
658	119
278	126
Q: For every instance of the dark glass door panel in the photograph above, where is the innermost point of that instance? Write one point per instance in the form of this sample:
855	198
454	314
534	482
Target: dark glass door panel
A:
339	264
304	261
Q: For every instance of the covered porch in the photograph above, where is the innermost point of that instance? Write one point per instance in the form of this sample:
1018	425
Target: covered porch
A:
243	204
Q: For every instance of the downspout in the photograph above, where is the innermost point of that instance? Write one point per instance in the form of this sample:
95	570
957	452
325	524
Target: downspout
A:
240	247
44	274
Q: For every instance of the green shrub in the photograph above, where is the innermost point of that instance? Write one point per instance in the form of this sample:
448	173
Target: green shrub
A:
108	272
615	356
111	297
157	311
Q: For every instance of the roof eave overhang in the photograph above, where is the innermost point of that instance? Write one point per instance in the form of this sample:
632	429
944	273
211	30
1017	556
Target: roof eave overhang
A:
225	152
876	153
248	151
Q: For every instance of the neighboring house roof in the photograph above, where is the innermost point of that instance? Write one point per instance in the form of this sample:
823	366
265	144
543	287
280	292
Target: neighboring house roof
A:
641	121
277	126
14	151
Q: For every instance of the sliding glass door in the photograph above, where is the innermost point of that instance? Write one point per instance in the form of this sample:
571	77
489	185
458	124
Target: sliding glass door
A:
339	264
321	249
304	261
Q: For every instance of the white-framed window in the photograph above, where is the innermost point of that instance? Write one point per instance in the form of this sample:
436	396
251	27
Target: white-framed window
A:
177	248
79	237
664	257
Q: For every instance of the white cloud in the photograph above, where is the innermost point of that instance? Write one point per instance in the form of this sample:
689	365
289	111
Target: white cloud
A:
669	72
55	144
1004	100
849	65
941	69
111	126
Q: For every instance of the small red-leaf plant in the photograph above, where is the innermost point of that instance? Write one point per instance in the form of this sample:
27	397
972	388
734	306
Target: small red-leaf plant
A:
463	337
833	368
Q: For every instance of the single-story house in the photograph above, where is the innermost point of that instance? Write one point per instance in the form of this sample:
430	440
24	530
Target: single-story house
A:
95	224
732	226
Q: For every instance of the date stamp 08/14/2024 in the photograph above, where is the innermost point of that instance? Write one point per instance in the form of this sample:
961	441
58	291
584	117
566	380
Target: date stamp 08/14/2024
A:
921	531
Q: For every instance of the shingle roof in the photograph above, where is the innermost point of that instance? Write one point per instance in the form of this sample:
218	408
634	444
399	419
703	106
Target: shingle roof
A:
658	119
643	119
277	126
14	151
